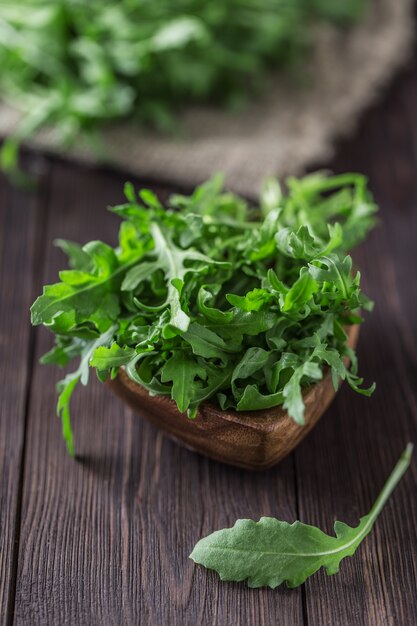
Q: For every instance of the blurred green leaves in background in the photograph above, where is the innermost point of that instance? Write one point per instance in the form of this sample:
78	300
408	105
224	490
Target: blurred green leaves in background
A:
74	64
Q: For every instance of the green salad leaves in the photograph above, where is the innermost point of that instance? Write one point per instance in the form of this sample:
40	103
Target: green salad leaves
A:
270	552
76	65
211	299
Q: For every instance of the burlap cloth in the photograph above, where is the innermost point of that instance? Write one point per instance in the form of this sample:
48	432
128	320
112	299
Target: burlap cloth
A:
292	127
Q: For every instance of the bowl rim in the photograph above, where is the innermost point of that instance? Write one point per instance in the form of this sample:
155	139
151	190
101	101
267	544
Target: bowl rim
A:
258	418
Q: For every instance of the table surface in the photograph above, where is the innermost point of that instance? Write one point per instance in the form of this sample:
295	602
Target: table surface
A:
106	540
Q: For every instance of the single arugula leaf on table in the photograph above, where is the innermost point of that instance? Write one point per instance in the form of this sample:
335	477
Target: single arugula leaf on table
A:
270	552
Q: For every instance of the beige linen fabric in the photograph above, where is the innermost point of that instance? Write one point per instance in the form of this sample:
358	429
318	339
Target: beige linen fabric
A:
290	128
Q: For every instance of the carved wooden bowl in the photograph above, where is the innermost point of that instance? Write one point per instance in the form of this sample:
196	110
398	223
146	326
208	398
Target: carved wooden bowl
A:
252	439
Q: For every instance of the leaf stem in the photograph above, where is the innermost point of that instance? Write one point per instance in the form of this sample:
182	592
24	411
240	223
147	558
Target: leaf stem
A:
394	478
397	473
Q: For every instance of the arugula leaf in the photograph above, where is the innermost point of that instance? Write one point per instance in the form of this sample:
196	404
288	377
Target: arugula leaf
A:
253	397
210	299
67	385
304	244
140	273
204	342
182	369
66	388
292	391
81	291
104	358
171	260
252	361
338	272
205	294
270	552
301	291
78	258
245	323
253	301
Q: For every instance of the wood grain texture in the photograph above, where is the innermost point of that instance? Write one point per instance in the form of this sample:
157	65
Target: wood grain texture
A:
359	441
18	244
106	540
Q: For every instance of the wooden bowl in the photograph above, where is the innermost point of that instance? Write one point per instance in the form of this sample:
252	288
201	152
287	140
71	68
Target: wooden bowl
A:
252	439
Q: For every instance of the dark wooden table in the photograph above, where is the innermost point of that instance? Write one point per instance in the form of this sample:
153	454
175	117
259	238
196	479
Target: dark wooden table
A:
105	541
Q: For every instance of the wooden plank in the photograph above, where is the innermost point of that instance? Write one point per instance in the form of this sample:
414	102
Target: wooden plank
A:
18	244
106	540
346	460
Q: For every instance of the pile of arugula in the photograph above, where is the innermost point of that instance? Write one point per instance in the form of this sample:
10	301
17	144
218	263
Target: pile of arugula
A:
75	65
210	299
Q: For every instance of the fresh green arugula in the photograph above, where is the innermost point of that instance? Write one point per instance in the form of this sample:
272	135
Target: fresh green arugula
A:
211	299
270	552
76	65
